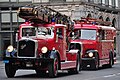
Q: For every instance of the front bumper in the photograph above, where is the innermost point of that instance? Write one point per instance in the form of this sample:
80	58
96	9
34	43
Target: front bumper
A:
34	63
88	63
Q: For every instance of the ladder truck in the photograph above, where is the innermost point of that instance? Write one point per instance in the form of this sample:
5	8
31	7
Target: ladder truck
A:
96	41
42	44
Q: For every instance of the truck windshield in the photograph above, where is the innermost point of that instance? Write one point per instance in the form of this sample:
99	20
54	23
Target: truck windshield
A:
85	34
28	32
88	34
45	32
41	32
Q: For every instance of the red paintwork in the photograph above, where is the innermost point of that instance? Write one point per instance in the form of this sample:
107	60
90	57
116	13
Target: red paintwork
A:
71	57
103	47
60	45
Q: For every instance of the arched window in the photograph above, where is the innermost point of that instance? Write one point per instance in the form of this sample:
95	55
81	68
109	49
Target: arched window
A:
114	22
89	15
101	18
107	19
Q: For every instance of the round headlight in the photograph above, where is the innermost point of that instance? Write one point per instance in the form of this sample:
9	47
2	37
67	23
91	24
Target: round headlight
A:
44	49
90	54
10	48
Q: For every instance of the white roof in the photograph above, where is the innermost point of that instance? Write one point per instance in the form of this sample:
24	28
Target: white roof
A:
60	25
107	28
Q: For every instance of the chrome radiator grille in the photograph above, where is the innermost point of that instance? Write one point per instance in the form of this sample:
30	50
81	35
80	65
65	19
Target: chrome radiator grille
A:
26	48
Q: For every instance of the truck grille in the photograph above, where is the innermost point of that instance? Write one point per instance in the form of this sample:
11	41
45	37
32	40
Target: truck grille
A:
26	48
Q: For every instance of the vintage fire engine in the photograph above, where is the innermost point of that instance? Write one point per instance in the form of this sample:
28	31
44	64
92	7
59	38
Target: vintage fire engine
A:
42	44
95	39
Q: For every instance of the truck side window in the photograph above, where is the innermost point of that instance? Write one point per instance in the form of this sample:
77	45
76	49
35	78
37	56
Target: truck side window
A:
102	35
59	32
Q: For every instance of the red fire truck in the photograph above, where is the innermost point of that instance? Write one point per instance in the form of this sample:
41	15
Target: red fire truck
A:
95	39
42	44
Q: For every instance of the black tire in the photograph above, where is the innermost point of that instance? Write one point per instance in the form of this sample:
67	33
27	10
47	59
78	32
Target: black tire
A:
78	66
40	72
10	70
111	62
96	64
53	68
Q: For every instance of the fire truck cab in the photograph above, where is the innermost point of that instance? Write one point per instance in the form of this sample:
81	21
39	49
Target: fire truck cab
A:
96	43
41	46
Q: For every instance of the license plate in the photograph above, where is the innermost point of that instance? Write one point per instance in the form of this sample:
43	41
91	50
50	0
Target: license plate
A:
29	65
5	61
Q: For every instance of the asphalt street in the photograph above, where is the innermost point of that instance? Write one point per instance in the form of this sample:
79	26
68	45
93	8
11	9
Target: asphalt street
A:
101	74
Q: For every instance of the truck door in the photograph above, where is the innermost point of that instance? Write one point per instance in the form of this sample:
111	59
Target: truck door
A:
60	43
105	45
101	44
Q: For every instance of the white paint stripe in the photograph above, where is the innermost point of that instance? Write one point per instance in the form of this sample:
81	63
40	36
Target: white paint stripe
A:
112	75
101	77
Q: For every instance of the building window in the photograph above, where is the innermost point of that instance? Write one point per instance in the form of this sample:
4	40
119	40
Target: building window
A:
24	0
15	0
107	19
113	3
89	16
116	4
99	1
4	0
101	18
14	15
57	0
91	1
45	0
96	1
39	1
5	17
69	0
114	22
107	2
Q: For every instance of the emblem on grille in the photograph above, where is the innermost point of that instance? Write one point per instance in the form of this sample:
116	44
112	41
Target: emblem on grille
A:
23	46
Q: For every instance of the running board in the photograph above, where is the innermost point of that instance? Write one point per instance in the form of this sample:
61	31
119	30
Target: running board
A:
104	61
68	64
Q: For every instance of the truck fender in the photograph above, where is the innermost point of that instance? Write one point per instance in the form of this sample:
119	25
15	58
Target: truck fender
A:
54	54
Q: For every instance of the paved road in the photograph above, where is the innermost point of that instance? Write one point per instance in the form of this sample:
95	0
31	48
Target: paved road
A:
102	74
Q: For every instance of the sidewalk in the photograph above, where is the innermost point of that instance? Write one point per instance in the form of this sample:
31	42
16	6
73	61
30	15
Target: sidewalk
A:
2	64
117	59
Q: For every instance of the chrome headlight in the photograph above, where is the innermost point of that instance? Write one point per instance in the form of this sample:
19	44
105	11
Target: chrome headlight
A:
44	49
90	54
10	48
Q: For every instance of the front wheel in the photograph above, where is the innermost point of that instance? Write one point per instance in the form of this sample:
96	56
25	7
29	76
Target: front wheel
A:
10	70
53	68
96	64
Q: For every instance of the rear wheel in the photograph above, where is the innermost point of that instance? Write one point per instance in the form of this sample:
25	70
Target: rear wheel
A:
110	60
40	72
10	70
53	68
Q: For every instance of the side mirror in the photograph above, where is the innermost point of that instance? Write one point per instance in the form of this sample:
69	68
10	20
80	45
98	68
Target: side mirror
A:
72	34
